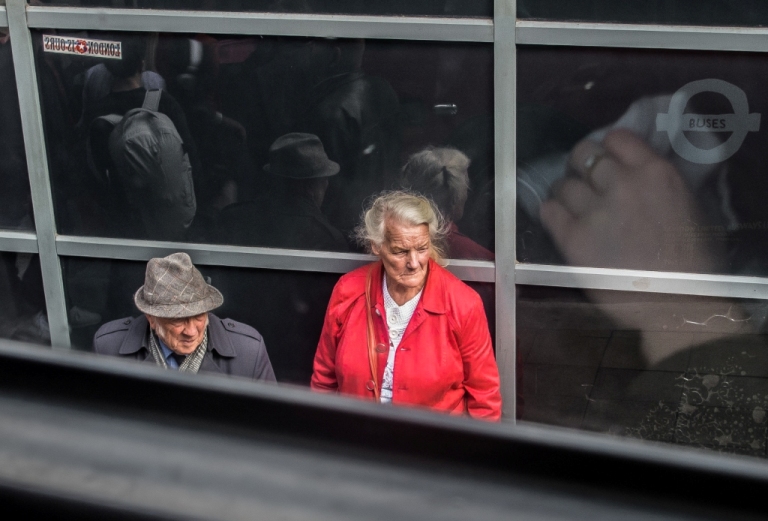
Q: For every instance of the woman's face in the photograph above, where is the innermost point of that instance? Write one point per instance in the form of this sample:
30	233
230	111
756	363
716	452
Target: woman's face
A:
405	255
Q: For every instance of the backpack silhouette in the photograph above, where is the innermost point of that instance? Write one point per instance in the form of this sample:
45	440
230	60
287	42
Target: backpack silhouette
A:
148	172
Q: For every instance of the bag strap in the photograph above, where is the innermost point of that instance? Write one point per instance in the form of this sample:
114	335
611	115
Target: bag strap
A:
152	100
373	359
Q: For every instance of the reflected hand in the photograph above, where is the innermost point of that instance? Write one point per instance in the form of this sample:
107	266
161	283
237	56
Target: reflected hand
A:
624	206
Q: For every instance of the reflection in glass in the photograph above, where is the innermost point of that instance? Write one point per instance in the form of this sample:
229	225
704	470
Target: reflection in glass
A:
683	12
685	370
473	8
229	103
22	302
15	200
642	160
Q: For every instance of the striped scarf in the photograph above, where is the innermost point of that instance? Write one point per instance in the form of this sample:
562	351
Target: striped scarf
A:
191	364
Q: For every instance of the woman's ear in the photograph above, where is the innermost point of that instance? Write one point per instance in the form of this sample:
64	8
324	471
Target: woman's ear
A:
375	249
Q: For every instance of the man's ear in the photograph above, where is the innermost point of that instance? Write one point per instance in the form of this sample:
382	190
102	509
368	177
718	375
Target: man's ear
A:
151	321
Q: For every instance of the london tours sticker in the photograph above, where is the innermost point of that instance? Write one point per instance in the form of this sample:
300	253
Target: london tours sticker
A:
676	122
83	47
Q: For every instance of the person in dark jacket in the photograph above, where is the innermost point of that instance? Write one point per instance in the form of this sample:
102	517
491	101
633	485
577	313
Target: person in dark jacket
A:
289	216
178	331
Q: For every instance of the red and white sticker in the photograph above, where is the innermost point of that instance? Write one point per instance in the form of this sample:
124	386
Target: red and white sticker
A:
83	47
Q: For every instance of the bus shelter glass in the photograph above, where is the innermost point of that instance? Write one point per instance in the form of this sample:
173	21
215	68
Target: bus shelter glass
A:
23	314
15	199
283	139
685	370
286	307
747	13
637	159
468	8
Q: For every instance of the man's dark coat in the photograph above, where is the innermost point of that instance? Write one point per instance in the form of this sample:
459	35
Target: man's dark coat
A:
234	348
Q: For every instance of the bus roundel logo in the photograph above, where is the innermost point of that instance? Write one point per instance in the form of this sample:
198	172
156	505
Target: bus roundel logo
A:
675	122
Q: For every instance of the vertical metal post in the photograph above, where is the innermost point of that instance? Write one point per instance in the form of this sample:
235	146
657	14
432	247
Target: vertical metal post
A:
505	110
37	164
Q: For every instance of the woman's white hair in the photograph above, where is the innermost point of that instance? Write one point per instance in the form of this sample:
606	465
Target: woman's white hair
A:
404	207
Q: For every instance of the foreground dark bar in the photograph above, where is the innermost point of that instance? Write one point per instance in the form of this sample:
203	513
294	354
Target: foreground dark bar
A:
87	438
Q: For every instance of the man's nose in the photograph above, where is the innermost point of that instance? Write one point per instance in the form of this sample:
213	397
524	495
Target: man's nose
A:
190	328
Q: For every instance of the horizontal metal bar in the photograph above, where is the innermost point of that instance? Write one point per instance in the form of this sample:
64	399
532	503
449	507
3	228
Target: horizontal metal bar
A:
20	242
245	257
473	271
3	17
754	39
340	26
729	286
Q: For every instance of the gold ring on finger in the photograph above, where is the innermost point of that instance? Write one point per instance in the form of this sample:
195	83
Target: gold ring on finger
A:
591	163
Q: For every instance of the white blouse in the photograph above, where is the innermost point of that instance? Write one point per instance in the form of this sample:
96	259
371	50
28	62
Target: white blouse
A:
397	321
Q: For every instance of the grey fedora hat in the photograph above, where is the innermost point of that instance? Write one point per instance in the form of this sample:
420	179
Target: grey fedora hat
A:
174	288
299	156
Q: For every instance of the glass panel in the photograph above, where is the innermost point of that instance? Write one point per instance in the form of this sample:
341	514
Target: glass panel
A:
287	308
15	200
22	302
684	370
642	160
684	12
473	8
244	176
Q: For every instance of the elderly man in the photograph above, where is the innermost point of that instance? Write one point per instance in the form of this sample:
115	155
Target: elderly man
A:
178	332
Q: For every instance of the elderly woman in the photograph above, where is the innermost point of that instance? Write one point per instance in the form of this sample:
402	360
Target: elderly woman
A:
426	333
441	174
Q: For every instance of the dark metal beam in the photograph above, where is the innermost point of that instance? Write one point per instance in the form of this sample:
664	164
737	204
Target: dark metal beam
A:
109	435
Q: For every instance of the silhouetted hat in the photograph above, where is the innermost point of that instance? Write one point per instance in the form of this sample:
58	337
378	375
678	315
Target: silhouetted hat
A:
299	156
174	288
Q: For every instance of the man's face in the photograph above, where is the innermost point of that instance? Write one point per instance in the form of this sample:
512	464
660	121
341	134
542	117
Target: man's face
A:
181	335
405	255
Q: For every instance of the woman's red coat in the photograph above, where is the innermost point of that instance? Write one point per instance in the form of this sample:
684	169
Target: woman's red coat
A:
445	359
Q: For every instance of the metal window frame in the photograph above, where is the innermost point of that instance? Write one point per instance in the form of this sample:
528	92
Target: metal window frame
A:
273	24
505	144
39	179
701	284
504	31
674	37
246	256
19	242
